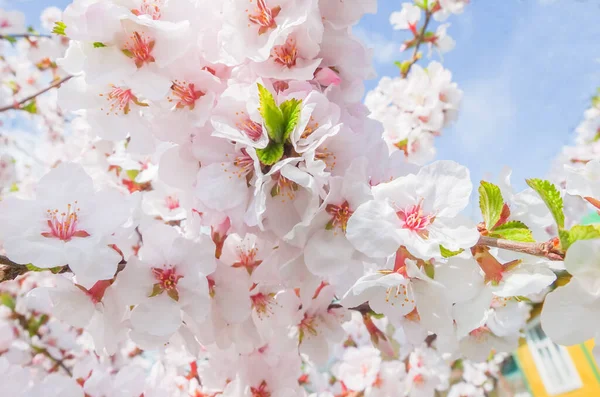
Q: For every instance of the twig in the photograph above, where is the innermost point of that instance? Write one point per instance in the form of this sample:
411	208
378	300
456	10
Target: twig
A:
30	97
56	361
10	270
23	36
420	39
545	250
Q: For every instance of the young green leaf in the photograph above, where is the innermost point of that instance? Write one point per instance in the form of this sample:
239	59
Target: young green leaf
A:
513	230
98	44
30	107
59	28
579	232
10	39
446	253
291	114
551	196
271	154
272	115
491	203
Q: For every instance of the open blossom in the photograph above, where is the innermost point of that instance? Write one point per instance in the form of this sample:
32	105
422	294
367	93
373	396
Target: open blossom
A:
68	222
417	211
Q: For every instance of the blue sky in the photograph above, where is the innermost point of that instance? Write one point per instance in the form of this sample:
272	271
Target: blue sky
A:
528	69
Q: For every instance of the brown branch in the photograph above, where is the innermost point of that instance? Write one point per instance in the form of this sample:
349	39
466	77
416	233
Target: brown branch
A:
420	40
545	250
10	270
23	36
57	363
17	105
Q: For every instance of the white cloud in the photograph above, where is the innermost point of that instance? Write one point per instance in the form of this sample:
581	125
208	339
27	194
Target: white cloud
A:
384	50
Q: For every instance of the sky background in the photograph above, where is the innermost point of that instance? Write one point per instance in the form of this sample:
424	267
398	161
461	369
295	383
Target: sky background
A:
528	69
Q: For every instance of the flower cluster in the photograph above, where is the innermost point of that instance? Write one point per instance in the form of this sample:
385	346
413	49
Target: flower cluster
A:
416	106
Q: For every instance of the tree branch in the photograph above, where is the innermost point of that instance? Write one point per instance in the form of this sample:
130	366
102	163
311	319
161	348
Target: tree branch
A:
545	250
420	39
56	361
23	36
17	105
10	270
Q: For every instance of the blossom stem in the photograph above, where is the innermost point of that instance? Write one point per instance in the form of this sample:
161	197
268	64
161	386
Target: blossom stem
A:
18	104
56	361
545	250
420	39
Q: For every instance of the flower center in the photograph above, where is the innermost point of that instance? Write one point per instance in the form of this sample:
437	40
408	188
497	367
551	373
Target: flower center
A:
167	279
308	324
264	16
284	187
480	333
262	304
247	259
415	220
5	23
186	94
63	225
286	54
340	215
172	202
119	100
139	48
260	391
150	8
251	128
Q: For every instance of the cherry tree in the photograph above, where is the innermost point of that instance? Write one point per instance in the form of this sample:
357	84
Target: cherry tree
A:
195	201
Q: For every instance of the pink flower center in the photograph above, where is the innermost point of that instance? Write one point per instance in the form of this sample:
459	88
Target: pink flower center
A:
247	259
284	187
167	278
264	17
414	219
340	215
172	202
251	128
286	54
186	94
119	100
5	23
262	304
480	333
260	391
63	225
308	324
418	379
139	48
150	8
244	163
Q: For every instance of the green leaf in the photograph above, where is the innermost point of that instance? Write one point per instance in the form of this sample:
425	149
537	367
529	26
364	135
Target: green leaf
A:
59	28
10	39
98	44
30	107
132	174
173	294
580	232
291	114
446	253
271	114
271	154
7	300
551	196
565	239
491	203
513	230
